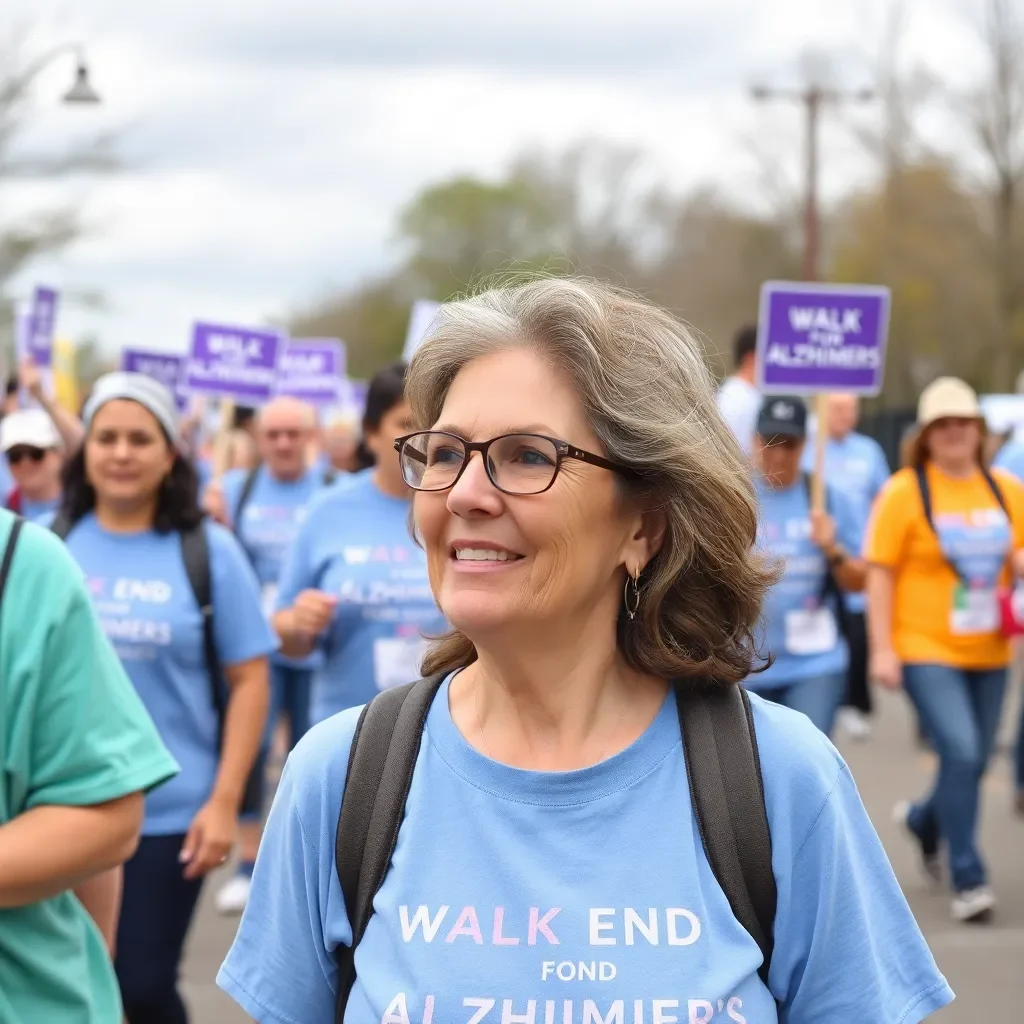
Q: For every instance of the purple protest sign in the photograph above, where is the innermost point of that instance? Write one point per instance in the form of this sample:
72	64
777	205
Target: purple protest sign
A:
357	392
160	366
312	369
42	318
233	362
814	338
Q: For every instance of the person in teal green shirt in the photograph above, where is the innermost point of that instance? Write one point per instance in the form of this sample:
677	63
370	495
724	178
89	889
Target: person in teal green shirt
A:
77	753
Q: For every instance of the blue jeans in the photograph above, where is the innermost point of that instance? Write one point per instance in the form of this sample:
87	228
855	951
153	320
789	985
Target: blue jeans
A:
289	693
818	698
960	712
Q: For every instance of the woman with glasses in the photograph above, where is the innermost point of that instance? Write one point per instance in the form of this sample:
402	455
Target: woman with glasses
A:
354	584
588	522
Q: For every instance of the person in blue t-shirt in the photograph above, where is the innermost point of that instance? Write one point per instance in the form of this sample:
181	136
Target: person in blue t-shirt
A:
33	450
1011	458
1011	455
856	465
354	586
819	551
264	506
129	499
589	525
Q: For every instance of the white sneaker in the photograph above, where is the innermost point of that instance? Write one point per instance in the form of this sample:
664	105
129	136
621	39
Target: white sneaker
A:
854	723
974	904
233	895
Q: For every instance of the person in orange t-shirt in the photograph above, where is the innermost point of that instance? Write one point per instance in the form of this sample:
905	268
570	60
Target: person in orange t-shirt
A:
934	619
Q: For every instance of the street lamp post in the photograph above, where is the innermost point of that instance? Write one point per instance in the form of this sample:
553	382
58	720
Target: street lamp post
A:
813	98
81	92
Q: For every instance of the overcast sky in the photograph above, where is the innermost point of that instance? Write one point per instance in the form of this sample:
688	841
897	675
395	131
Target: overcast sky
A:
268	151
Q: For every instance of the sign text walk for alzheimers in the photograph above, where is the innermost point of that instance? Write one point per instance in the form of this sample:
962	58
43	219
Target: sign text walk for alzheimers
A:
814	338
234	362
161	366
41	322
312	369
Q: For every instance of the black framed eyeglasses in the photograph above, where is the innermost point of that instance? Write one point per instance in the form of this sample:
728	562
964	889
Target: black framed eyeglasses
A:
433	460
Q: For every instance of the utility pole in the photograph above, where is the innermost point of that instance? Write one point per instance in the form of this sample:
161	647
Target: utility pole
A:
813	98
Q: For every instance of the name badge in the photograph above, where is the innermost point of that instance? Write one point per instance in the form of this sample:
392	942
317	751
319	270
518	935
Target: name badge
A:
975	611
396	660
811	632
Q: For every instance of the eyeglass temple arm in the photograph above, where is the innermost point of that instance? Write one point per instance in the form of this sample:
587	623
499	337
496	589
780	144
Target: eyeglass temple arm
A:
412	453
568	451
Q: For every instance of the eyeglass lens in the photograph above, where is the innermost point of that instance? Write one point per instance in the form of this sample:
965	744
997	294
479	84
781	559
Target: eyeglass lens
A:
517	463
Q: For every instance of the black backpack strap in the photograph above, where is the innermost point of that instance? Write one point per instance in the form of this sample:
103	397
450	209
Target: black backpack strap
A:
380	768
61	525
724	770
997	491
925	491
195	553
12	543
244	495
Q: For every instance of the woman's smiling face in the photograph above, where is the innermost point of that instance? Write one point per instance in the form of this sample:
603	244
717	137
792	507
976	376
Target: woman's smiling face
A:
498	560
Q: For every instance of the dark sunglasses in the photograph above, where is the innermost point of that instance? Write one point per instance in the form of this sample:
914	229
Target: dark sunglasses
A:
433	460
15	455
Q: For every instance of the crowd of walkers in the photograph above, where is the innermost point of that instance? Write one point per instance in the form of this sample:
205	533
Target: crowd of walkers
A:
635	557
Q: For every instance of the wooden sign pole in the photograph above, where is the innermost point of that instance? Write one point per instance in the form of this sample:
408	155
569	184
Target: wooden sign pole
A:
222	442
820	439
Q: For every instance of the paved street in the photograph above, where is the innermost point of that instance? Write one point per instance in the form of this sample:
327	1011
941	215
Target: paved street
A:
985	966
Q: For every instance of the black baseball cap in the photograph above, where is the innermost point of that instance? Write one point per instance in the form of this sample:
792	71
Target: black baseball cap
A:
782	416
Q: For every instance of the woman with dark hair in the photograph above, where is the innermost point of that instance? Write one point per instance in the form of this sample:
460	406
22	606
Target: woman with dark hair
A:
354	584
129	513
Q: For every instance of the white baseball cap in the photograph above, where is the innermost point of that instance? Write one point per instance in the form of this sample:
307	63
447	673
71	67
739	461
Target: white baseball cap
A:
32	428
947	397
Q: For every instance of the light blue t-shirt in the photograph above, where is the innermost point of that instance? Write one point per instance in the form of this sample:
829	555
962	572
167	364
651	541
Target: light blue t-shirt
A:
803	636
269	521
148	611
272	514
39	511
355	544
857	466
1011	458
579	897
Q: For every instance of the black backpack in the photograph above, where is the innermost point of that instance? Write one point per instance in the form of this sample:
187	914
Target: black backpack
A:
726	787
195	553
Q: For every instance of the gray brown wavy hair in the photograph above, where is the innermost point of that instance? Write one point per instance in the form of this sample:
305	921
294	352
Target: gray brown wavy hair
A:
649	396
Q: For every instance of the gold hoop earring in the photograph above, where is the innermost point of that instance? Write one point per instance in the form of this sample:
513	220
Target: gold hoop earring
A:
631	594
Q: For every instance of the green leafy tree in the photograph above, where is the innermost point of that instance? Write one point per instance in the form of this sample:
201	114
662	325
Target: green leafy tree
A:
944	308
